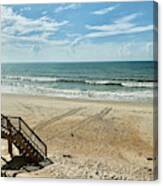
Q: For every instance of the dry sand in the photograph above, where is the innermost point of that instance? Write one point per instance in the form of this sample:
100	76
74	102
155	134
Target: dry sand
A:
104	140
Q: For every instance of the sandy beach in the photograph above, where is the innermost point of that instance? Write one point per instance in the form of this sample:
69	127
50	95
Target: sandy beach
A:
88	139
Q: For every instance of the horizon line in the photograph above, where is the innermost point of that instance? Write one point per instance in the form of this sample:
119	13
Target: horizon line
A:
123	61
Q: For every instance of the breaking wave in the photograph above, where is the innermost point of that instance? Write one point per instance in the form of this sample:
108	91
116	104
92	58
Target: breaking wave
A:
132	83
76	93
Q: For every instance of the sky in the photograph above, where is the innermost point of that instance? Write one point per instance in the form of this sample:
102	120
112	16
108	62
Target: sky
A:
73	32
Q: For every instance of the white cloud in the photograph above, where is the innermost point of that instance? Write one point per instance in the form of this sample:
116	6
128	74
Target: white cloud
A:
137	29
17	28
73	35
122	26
99	52
26	39
44	12
105	10
25	9
128	18
67	7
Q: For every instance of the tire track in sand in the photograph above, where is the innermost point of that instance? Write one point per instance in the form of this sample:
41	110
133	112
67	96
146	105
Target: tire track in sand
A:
59	117
86	121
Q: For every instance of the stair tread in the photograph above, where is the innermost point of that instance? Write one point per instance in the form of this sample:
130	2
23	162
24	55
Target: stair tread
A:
19	138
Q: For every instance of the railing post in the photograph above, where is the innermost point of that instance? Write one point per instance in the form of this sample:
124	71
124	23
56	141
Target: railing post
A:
19	124
45	150
9	139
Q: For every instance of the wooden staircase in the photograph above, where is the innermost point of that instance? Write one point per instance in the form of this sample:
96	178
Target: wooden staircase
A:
17	132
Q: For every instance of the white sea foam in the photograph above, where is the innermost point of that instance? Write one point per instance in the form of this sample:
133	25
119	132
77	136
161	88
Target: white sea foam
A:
29	78
76	93
29	85
123	83
139	84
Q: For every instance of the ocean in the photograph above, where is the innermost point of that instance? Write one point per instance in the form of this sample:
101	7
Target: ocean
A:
120	81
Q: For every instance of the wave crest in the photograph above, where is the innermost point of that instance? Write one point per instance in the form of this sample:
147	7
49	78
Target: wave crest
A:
131	83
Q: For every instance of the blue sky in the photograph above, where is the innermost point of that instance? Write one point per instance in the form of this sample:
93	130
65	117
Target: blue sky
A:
77	32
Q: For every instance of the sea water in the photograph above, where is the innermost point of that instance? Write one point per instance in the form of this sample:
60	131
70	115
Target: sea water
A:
121	81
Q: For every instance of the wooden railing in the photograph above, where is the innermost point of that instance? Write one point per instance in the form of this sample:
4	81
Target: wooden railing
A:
21	126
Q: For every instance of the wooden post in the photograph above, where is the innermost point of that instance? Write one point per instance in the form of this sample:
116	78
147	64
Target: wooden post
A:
9	139
10	147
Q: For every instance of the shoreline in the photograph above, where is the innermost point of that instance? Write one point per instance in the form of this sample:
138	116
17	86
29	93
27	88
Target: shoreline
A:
121	102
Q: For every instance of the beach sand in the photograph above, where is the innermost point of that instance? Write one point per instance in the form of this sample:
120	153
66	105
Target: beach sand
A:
103	139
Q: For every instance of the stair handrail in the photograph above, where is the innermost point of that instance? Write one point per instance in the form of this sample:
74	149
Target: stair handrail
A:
22	122
38	138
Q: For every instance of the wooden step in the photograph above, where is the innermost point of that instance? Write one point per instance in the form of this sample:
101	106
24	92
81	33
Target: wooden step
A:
19	138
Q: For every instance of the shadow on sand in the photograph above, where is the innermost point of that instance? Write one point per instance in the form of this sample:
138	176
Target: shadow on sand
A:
21	164
16	163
